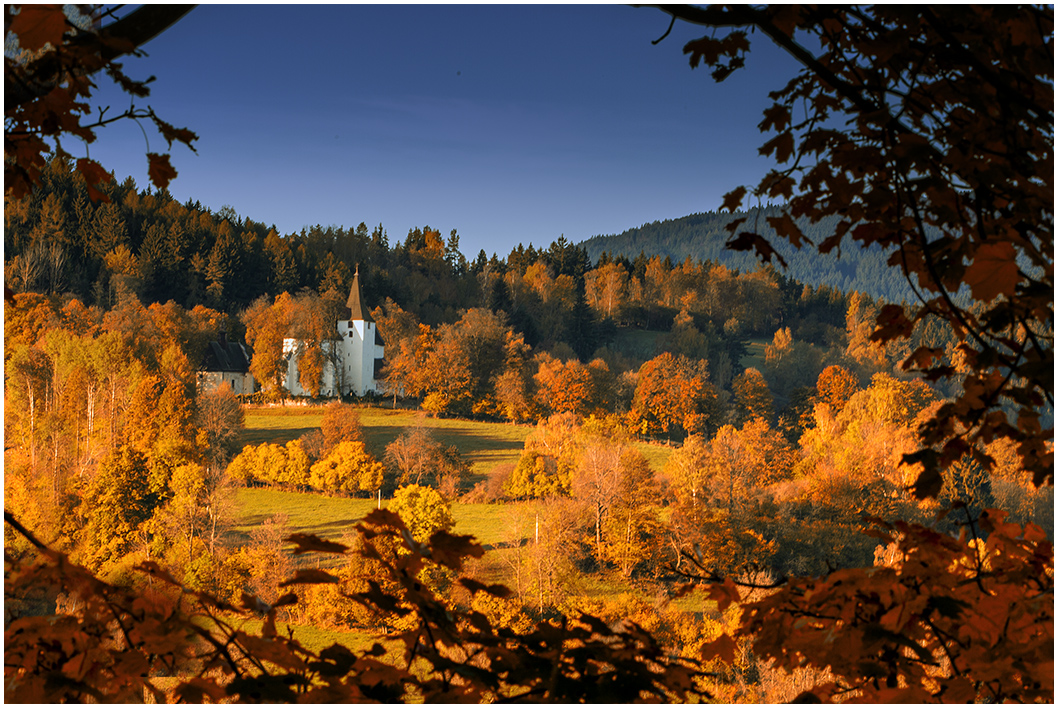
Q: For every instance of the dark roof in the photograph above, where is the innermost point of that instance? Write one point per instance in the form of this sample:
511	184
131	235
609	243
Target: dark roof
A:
357	310
226	357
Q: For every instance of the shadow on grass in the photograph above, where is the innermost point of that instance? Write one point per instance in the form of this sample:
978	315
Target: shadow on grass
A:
468	440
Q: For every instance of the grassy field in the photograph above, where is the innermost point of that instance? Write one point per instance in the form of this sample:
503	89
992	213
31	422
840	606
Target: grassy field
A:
754	354
334	517
483	445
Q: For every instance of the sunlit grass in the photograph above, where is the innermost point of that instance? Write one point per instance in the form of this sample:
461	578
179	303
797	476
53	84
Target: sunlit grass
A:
754	356
334	517
483	445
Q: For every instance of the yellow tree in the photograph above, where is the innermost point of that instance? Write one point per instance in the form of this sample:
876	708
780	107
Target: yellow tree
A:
347	468
604	288
550	455
596	482
423	510
632	525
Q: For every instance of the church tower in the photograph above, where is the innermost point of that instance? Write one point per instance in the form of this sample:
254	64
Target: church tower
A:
361	347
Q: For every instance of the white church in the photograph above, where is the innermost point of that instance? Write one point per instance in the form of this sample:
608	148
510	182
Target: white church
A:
358	354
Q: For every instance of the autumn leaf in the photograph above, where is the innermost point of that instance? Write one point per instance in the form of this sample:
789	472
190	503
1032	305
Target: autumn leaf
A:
159	170
724	594
94	174
310	542
787	228
495	589
922	358
450	549
723	647
892	324
172	133
37	25
704	48
782	145
733	199
748	240
994	271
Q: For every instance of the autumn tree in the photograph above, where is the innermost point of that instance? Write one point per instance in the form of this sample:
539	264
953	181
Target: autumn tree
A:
564	387
116	506
604	288
551	452
347	468
753	398
835	387
341	422
514	386
423	510
687	469
311	323
596	482
219	417
673	397
266	327
632	525
417	457
399	330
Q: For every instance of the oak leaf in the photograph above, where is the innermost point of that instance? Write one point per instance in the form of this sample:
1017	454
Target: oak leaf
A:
159	170
994	271
305	543
37	25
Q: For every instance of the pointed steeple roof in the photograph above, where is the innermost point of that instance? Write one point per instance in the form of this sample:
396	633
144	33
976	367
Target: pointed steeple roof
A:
357	310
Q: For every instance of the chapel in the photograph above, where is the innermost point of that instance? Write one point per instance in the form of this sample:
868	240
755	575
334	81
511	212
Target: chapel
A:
357	353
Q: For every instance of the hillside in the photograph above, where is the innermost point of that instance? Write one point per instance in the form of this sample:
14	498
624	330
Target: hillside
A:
702	236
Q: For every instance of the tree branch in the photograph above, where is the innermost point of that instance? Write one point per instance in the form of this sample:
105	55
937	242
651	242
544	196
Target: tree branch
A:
125	36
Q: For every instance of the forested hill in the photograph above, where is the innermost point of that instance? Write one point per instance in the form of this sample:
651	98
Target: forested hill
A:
702	236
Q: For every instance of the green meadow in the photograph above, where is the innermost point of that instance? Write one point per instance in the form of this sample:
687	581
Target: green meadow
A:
334	517
500	527
754	356
483	445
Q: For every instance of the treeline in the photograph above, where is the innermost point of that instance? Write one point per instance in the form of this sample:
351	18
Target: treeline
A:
703	237
146	244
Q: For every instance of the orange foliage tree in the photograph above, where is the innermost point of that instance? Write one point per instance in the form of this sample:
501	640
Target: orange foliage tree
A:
673	397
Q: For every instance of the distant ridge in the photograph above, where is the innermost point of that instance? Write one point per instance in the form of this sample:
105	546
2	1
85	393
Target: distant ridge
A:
702	237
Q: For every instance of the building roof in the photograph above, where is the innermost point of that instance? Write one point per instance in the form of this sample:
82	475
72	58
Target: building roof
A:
225	356
357	309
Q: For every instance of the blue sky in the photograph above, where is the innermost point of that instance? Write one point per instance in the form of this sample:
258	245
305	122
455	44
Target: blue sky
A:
510	124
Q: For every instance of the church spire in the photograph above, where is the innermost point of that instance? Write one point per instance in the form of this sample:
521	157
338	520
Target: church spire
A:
357	311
